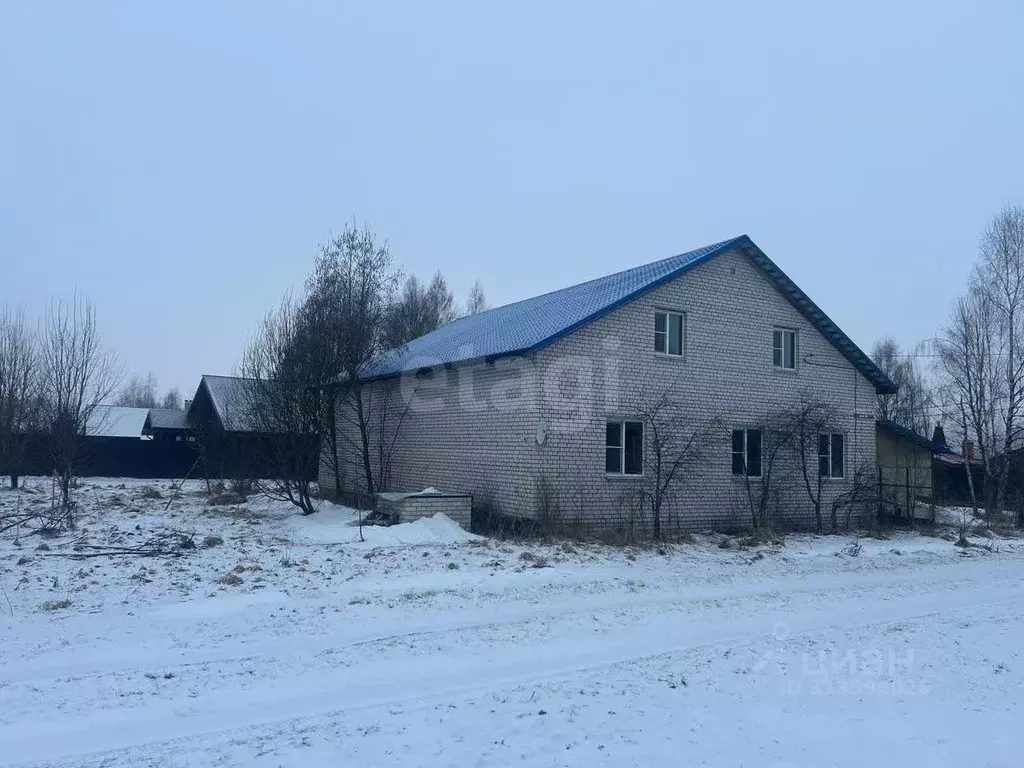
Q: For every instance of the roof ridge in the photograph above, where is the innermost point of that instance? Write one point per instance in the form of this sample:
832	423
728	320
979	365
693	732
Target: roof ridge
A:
480	335
710	247
222	376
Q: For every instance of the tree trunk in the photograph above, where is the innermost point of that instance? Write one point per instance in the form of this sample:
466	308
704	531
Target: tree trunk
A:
365	439
332	437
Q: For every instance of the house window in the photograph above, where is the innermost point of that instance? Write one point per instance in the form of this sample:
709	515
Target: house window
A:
669	332
784	348
832	455
746	452
624	448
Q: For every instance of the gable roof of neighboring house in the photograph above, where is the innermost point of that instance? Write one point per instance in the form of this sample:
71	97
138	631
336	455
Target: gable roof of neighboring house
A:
165	418
918	439
529	325
116	421
229	396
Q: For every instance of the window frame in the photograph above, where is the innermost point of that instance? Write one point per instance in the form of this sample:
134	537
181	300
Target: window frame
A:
829	455
668	314
621	424
783	332
746	451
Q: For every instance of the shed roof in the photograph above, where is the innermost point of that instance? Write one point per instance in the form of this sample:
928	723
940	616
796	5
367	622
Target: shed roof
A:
165	418
908	434
116	421
529	325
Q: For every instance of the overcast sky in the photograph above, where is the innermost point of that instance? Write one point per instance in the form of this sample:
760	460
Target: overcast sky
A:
180	164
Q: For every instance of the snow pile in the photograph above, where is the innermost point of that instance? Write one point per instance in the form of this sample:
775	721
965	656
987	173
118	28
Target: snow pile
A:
955	516
439	529
340	525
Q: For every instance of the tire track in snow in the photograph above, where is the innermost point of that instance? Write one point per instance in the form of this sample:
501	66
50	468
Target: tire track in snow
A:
393	681
303	646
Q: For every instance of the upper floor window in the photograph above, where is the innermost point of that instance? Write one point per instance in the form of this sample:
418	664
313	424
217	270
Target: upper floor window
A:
832	455
624	448
746	452
784	348
669	332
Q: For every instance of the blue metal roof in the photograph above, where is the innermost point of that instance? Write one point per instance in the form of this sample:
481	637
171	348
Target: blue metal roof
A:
529	325
913	436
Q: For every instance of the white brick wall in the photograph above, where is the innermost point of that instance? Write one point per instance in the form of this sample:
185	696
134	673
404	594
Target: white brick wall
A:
544	450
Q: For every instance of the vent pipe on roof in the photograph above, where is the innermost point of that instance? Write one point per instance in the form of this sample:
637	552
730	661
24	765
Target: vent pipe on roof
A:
939	435
968	449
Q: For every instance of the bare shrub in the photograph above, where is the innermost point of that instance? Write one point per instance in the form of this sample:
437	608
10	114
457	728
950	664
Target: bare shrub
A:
225	499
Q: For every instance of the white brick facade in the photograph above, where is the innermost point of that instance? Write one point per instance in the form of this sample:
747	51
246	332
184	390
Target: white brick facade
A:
526	435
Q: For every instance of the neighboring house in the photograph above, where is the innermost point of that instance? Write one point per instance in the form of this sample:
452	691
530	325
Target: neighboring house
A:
167	424
113	445
535	408
949	479
906	462
220	427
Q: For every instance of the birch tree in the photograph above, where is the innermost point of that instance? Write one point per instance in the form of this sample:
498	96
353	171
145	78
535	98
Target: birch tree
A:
981	351
1000	275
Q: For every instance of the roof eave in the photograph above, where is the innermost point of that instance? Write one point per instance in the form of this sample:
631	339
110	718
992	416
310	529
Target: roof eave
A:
725	247
833	333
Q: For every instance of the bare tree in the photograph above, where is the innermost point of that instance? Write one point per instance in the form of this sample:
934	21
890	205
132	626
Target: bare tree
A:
203	443
969	359
764	486
348	297
19	391
675	449
172	399
909	406
288	400
139	392
418	310
806	425
78	374
390	416
1000	275
476	302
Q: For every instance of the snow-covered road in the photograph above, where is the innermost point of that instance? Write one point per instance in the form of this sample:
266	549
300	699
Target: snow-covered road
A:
458	653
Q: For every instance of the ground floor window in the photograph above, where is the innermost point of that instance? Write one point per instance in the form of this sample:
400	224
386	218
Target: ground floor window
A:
624	448
746	452
832	455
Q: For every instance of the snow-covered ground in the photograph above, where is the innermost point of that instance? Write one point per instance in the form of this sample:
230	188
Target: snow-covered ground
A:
293	643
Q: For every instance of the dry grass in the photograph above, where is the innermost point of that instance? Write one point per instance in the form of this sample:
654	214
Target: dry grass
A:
226	499
55	605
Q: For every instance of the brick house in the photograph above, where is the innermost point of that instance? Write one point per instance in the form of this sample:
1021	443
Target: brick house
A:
534	408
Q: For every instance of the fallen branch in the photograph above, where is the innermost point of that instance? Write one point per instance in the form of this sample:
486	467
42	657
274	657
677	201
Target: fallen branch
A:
174	544
52	520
